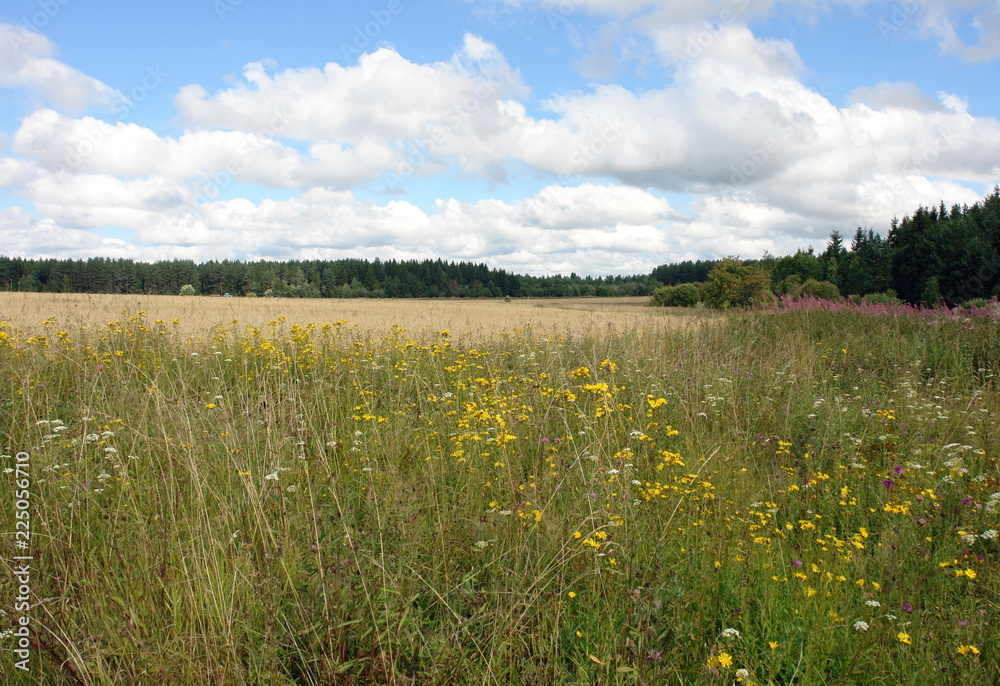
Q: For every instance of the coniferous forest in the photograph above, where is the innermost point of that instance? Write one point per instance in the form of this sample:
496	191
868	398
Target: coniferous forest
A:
936	254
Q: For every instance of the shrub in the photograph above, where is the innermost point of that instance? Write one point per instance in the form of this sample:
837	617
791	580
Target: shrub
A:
187	289
824	290
887	298
732	284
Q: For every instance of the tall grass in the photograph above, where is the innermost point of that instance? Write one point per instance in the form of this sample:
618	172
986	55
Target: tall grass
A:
795	497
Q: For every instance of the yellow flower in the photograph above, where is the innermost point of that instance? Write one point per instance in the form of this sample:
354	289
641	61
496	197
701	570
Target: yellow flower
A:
903	637
572	594
968	650
772	645
725	659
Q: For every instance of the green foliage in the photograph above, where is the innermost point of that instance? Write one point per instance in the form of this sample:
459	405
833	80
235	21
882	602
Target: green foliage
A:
187	289
887	298
821	289
931	294
684	295
733	284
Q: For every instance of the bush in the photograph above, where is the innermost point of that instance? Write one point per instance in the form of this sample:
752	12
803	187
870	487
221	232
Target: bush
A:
684	295
824	290
975	303
733	284
187	289
887	298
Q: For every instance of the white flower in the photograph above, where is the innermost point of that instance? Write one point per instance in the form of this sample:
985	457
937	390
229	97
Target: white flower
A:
873	603
273	476
861	626
730	634
988	535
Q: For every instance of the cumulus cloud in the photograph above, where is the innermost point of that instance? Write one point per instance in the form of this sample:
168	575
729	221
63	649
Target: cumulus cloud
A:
25	236
939	18
26	61
769	163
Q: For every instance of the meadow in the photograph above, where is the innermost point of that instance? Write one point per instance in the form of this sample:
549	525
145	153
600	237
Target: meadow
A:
241	491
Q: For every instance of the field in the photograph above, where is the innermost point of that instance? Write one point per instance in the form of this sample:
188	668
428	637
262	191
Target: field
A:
256	491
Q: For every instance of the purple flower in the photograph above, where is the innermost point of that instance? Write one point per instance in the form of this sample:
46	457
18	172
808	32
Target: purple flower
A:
907	607
796	563
888	483
654	655
898	469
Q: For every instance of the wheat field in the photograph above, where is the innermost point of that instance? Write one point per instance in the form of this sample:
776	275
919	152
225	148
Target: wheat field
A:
477	318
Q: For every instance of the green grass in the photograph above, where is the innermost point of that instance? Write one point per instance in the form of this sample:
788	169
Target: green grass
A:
307	505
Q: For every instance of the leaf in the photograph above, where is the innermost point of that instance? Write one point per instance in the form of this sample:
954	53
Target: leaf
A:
596	660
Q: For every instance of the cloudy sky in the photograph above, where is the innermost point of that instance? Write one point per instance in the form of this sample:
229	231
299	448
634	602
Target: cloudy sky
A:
540	136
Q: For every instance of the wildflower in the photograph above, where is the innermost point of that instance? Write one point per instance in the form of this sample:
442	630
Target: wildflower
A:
743	675
725	659
989	535
873	603
969	573
861	626
907	607
572	594
903	637
730	634
968	650
773	645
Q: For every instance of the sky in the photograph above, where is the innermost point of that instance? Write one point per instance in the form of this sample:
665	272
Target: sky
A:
538	136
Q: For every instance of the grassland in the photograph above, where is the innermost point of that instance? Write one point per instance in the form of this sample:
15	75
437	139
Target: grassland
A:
499	493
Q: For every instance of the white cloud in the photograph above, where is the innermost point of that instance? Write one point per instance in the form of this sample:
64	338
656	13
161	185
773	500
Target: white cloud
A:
26	62
899	94
939	17
24	236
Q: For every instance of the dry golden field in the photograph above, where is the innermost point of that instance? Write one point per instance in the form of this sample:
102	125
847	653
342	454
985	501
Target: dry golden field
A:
196	314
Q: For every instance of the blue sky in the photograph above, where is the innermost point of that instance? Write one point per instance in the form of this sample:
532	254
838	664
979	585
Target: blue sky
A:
541	136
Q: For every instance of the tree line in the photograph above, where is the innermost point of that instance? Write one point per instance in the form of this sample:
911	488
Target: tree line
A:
345	278
936	254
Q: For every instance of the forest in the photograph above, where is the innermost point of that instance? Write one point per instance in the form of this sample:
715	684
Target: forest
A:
936	254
